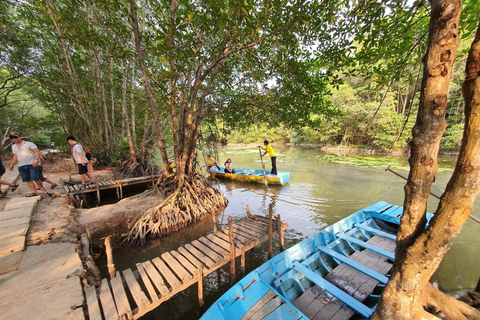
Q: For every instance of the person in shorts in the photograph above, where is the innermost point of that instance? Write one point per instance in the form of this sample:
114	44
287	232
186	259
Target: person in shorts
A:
42	179
27	155
80	159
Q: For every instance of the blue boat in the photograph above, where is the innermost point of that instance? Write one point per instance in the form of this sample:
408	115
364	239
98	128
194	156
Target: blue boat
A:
251	175
338	273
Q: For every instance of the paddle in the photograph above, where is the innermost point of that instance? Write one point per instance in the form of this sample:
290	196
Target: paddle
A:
263	166
433	194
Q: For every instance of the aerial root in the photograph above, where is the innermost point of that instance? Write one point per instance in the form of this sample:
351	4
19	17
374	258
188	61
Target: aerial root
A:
450	307
183	206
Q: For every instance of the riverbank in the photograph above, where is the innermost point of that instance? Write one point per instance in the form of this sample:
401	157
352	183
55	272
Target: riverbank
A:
41	265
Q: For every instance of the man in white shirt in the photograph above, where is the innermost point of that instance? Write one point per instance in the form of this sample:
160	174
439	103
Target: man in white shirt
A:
27	155
80	159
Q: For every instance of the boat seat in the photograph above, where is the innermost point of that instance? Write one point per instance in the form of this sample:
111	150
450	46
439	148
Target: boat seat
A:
318	303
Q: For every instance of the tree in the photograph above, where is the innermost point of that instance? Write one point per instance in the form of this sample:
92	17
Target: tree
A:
207	58
419	251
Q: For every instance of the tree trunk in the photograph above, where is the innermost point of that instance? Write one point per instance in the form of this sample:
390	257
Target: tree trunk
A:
419	251
150	93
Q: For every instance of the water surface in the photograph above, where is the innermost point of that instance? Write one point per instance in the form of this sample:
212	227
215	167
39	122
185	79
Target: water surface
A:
323	189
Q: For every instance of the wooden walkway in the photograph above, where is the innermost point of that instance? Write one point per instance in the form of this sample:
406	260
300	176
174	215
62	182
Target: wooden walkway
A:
76	190
126	297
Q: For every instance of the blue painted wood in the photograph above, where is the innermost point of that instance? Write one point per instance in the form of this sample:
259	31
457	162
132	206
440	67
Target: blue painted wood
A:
251	175
369	272
359	307
290	273
368	246
376	231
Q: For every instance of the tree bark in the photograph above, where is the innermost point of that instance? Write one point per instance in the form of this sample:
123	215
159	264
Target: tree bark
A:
422	250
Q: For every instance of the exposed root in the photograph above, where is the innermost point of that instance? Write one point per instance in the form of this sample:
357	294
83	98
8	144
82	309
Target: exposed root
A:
192	202
139	169
448	307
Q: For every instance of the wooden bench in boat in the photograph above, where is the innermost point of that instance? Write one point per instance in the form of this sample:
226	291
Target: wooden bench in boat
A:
317	303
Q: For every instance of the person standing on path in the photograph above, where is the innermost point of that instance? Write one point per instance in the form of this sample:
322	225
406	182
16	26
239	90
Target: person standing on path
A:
80	159
27	155
42	179
268	148
2	172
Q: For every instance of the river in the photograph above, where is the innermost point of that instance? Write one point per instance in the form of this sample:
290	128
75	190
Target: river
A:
323	189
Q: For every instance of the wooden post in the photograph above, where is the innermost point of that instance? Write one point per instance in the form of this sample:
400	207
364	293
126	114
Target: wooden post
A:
270	231
249	213
242	263
200	287
85	245
214	220
281	240
232	250
110	264
98	192
121	191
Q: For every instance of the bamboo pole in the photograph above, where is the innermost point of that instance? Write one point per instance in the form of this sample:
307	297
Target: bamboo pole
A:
110	263
200	287
281	239
98	193
263	167
232	250
270	230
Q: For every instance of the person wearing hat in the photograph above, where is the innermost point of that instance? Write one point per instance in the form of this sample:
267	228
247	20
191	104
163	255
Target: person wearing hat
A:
27	155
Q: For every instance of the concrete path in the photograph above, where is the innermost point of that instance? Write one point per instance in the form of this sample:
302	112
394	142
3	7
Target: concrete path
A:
37	282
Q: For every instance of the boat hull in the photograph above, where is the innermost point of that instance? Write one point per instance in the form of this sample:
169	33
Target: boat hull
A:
334	274
251	175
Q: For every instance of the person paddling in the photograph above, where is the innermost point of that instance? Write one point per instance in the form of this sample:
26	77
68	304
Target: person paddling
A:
268	148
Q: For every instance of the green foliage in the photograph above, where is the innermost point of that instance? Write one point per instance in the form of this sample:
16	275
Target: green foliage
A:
452	138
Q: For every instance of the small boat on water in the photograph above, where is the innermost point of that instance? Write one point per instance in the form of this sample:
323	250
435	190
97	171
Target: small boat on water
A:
338	273
251	175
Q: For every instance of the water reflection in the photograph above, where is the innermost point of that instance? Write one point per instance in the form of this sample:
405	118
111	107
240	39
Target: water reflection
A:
323	189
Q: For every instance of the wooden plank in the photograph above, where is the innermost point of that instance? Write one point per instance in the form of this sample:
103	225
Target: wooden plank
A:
166	273
146	282
192	258
238	237
199	255
219	242
140	298
156	278
257	306
92	302
66	189
267	308
182	273
215	247
108	306
246	233
224	237
121	300
255	226
187	264
207	251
